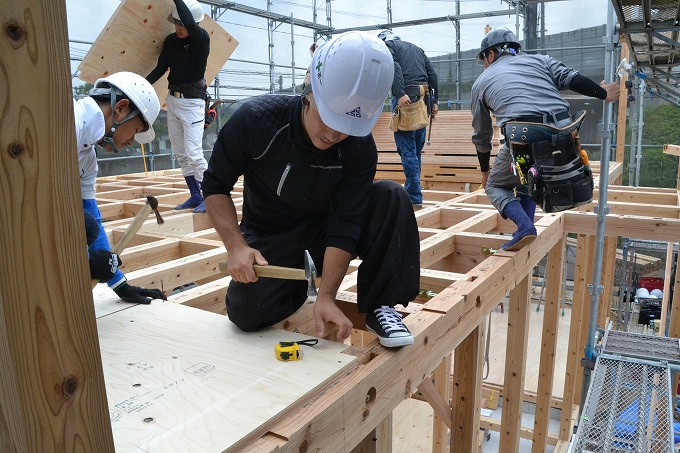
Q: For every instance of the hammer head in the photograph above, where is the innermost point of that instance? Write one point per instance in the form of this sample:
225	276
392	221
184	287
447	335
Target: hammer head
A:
153	202
310	275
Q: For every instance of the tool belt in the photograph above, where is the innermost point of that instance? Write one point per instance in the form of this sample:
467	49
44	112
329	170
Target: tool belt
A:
413	116
191	90
549	160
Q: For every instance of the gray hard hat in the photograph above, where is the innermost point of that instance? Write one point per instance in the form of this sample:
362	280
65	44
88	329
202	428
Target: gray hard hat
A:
501	38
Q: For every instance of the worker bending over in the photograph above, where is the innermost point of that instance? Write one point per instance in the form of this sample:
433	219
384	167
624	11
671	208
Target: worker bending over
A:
308	164
120	109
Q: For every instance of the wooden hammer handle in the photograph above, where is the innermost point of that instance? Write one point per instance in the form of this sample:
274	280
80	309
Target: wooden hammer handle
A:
129	233
285	273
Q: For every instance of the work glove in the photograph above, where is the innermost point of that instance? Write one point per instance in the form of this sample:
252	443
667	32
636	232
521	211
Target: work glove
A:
104	265
137	295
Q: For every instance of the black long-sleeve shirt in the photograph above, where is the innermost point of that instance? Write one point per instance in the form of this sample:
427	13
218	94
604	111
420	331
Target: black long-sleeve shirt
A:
187	58
411	65
287	179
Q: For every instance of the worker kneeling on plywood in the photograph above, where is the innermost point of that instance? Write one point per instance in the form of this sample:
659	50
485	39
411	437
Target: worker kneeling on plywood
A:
309	163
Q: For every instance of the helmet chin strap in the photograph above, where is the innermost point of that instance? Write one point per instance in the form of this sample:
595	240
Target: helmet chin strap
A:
108	138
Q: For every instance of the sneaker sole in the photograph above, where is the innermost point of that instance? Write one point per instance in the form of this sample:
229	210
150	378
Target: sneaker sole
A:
393	342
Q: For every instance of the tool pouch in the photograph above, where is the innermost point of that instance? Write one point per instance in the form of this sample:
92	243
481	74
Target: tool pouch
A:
557	178
411	117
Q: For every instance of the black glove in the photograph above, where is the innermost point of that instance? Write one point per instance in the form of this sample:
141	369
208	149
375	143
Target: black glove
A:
104	264
137	295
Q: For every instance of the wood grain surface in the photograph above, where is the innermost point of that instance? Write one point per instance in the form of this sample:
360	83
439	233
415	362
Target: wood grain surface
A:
133	39
184	380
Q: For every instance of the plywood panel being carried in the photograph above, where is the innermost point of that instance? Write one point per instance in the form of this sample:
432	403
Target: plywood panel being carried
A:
173	369
133	38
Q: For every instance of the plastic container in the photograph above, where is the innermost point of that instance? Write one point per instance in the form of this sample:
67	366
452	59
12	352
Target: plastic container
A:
650	283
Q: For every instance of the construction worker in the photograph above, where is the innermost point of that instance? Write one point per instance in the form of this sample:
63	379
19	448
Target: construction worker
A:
520	88
185	52
308	164
412	69
120	109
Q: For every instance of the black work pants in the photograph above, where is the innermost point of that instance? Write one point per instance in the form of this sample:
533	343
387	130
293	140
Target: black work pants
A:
388	275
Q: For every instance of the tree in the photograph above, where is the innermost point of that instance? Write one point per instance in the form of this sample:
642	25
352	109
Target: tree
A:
82	90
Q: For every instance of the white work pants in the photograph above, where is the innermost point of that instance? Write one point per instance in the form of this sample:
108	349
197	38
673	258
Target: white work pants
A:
185	128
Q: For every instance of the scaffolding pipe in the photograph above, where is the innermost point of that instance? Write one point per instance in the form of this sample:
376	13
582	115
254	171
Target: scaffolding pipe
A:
633	141
595	288
457	25
624	294
641	122
270	39
292	51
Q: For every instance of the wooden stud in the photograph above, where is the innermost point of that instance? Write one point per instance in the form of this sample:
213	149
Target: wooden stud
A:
52	395
553	297
466	390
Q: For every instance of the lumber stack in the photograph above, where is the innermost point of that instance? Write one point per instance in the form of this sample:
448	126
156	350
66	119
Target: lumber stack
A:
449	162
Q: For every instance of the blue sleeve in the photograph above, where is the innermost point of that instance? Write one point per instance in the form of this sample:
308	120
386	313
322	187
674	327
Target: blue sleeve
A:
102	242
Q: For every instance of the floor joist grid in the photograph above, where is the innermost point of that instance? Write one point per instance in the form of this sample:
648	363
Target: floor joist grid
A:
457	230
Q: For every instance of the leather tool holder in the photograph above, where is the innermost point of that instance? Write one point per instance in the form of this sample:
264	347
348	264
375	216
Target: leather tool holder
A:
550	157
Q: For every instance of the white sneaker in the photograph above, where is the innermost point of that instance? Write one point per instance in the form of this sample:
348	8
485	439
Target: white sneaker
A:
387	324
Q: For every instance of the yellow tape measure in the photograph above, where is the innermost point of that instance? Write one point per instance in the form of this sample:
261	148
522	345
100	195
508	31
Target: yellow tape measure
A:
290	350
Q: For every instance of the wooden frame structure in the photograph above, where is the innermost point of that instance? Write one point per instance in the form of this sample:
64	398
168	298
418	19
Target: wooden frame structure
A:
52	391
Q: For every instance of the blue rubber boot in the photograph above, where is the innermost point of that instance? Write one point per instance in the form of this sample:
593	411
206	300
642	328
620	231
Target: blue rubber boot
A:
196	199
526	232
200	208
529	206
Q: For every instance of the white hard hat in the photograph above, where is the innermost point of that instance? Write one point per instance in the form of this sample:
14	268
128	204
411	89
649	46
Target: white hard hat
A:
656	292
141	94
388	35
642	292
351	78
194	7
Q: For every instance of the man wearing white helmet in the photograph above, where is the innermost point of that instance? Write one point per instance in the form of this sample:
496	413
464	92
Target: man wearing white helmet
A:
308	164
120	109
185	53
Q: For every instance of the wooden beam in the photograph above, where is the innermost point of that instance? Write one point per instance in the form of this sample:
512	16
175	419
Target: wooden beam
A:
515	365
551	314
440	428
467	390
575	353
435	400
52	396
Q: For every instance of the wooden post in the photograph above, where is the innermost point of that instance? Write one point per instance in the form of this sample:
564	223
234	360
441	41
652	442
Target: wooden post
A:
551	317
675	151
466	392
442	383
579	310
515	365
587	268
52	395
674	328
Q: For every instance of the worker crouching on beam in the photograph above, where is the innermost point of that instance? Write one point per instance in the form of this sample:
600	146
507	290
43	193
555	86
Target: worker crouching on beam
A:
540	160
309	163
120	110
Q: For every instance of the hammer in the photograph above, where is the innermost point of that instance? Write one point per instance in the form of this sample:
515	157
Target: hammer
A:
286	273
134	226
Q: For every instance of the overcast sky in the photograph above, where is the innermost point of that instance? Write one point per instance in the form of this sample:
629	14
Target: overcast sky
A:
86	19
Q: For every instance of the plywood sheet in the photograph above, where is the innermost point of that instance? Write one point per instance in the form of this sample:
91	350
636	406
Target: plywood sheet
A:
133	38
179	379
